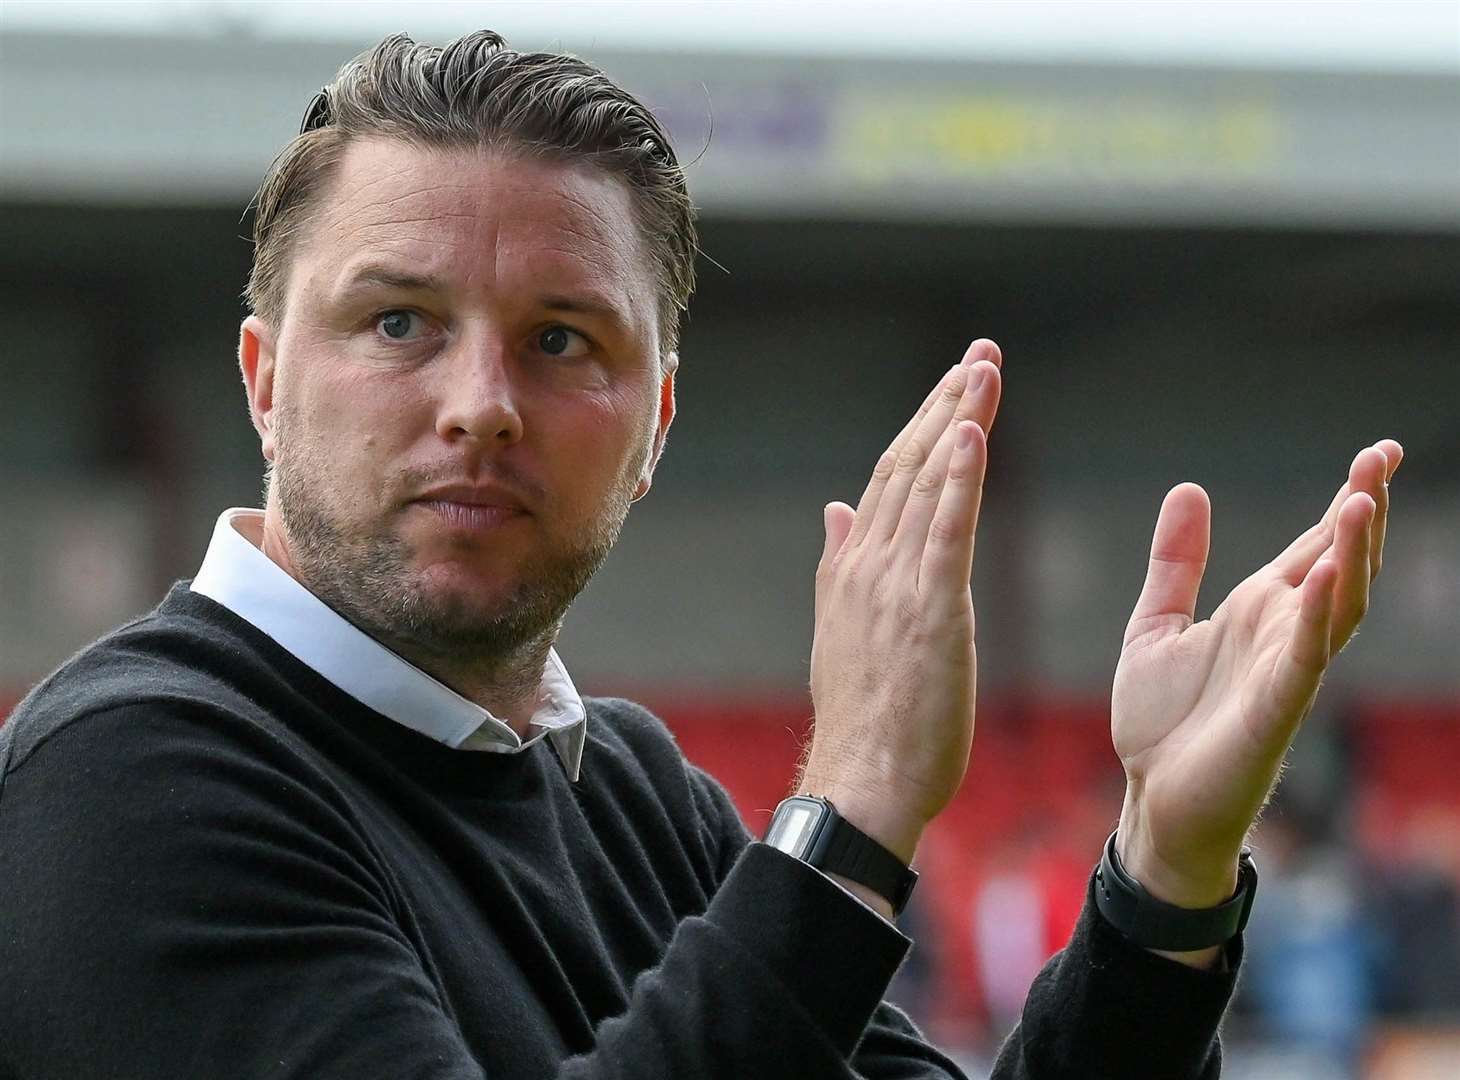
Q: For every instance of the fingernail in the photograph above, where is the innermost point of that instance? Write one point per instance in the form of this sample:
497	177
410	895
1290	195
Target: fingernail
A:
976	379
965	436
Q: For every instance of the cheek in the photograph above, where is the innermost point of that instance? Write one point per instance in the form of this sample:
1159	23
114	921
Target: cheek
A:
355	425
366	409
594	441
619	423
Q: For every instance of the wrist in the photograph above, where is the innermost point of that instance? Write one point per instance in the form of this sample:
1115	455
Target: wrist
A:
881	819
1181	917
1203	880
1185	890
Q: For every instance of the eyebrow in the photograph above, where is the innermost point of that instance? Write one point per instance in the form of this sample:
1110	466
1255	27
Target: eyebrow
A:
386	277
380	276
591	305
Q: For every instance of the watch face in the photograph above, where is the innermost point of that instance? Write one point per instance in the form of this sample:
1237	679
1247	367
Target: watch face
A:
794	826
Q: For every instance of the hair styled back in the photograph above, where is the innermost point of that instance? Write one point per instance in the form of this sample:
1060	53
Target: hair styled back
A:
477	92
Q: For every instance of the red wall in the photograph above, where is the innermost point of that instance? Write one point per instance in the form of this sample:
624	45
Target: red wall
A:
1043	791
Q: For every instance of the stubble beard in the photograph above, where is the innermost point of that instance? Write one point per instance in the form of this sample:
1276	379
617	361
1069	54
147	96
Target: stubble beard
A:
367	574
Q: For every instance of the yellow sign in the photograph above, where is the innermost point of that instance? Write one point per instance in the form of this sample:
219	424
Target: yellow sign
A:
1116	139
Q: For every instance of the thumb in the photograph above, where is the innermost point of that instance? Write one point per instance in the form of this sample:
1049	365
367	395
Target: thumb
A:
838	518
1178	561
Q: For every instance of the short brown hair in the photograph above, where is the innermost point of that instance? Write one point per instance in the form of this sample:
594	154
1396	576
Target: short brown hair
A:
478	92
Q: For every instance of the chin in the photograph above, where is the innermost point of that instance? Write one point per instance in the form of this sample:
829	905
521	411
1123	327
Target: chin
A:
466	586
475	620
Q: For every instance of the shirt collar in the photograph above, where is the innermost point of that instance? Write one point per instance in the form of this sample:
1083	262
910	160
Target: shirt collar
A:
237	574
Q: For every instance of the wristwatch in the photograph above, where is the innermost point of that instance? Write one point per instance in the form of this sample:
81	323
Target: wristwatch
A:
808	828
1153	924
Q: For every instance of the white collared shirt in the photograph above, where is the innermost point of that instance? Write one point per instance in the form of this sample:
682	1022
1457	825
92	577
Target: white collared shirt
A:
237	574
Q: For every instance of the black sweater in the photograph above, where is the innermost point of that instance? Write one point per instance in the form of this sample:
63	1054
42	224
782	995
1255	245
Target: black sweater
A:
215	863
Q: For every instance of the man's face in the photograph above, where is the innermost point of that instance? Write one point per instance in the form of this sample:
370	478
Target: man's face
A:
464	394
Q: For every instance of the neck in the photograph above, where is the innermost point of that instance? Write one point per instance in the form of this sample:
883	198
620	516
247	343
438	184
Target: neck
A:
507	686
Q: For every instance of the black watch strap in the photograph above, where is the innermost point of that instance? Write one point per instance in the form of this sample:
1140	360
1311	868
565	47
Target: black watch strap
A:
1154	924
834	845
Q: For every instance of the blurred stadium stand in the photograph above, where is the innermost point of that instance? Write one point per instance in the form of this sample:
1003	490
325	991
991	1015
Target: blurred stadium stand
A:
1239	277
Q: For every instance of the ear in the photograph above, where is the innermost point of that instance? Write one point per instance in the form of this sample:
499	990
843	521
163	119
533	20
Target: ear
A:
661	425
256	361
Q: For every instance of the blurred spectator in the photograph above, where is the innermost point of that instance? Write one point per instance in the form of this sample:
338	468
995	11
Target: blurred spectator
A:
1010	924
1008	931
1311	951
1417	901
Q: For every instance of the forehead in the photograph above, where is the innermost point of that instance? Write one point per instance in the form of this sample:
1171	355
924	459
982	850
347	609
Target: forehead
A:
478	218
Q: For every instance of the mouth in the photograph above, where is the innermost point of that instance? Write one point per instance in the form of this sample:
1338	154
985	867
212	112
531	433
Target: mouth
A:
473	507
472	517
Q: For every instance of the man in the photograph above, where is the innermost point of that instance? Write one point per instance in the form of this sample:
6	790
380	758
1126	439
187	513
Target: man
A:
335	808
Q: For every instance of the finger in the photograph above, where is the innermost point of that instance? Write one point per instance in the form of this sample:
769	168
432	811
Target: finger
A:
910	534
1351	554
984	349
1179	550
1299	556
1366	473
987	380
1393	455
912	455
887	463
1304	658
980	350
837	518
986	410
915	463
1375	545
947	560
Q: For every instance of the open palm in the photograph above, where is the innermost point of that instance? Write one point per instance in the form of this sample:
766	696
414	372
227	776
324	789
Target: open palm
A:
1202	713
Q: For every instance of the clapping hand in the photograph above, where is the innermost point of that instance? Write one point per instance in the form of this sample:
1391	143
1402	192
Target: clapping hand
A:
1202	713
893	662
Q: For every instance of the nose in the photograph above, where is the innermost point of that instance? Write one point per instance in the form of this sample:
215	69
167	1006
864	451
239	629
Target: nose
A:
479	396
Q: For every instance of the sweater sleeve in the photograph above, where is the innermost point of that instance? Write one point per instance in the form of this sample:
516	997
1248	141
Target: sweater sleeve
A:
890	1046
1105	1009
1101	1008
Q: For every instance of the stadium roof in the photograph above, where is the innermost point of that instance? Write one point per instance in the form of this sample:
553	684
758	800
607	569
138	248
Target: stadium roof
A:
1391	35
191	108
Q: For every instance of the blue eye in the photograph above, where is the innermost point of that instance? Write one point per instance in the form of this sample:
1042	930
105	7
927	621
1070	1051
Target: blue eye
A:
560	341
396	325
